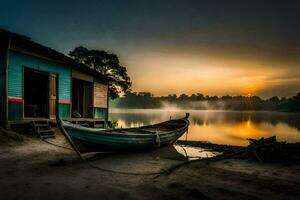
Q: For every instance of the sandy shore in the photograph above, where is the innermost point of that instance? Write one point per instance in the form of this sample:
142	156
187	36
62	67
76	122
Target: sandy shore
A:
32	169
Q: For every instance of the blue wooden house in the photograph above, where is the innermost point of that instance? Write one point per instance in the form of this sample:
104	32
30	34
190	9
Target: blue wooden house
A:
29	76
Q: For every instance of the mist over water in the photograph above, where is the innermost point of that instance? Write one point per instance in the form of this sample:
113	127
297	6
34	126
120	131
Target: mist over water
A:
220	127
194	105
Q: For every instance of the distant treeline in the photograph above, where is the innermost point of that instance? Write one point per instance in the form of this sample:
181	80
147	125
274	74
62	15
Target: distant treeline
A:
205	102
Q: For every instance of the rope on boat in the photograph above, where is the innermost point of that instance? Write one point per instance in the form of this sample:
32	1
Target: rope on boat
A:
167	171
182	146
186	155
163	172
103	169
57	145
59	124
125	173
157	139
206	160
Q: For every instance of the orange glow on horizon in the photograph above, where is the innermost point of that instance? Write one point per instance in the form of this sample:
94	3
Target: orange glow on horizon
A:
177	74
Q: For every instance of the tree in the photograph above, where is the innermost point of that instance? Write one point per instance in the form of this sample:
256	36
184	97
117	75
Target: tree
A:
183	97
274	99
108	65
200	96
193	97
146	94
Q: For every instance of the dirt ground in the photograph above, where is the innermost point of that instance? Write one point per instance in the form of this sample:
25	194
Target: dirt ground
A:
32	169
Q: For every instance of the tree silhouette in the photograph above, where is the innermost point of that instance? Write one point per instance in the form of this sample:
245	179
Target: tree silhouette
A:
148	100
108	65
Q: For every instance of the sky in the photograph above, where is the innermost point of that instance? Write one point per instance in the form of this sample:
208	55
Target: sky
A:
171	47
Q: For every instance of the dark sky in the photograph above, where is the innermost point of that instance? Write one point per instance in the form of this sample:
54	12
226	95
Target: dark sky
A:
177	46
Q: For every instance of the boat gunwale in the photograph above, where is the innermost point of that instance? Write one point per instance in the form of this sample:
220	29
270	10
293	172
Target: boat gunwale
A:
102	131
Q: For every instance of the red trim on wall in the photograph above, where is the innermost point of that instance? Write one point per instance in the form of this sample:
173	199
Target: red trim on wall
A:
15	99
64	102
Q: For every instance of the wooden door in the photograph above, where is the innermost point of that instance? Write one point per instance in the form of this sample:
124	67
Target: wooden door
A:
52	95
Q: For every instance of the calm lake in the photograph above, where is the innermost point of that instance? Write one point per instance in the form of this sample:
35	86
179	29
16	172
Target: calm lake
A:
220	127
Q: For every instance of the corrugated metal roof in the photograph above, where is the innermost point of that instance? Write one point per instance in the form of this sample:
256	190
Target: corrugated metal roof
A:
54	54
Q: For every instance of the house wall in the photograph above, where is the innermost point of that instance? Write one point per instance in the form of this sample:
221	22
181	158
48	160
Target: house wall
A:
100	113
100	104
3	61
15	82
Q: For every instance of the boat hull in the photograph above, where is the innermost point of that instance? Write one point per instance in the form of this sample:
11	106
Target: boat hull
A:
89	139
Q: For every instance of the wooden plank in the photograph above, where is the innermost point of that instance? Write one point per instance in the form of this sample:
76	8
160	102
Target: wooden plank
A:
32	50
81	76
52	95
100	95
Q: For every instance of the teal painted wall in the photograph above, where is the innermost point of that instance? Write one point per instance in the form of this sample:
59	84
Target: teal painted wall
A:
15	74
100	113
64	111
15	110
15	78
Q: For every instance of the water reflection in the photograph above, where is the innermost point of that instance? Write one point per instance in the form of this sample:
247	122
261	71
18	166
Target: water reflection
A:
220	127
193	153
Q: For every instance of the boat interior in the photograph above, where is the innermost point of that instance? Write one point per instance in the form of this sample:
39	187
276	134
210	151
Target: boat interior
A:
157	128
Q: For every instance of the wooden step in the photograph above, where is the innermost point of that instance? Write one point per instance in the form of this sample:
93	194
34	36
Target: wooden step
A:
41	122
43	129
42	125
46	131
48	136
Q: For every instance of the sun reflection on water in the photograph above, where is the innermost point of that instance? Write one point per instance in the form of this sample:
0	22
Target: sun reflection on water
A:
248	123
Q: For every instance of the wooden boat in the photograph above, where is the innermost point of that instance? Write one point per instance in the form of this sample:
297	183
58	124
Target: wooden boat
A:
165	133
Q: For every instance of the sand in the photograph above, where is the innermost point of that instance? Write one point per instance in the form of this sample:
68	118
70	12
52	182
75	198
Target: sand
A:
32	169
